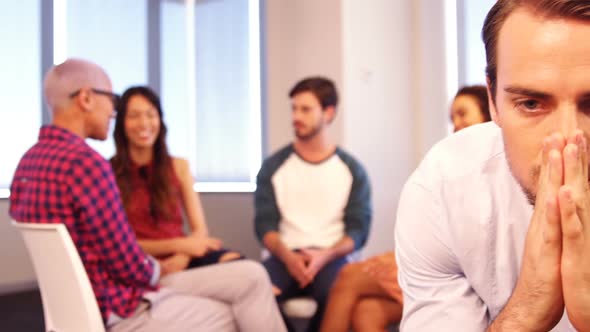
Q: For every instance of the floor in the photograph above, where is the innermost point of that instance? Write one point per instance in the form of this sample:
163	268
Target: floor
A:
21	312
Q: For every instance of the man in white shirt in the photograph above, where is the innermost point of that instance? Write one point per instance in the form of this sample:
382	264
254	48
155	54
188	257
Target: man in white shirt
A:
312	201
493	228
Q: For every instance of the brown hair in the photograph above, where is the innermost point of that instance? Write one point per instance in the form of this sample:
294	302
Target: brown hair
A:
574	9
322	88
160	183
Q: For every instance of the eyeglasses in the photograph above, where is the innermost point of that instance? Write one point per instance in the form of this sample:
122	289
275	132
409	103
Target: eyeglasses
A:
115	98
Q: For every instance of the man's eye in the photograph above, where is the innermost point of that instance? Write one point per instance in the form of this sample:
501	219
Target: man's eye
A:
529	105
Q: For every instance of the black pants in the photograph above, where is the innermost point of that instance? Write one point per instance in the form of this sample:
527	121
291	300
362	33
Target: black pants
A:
318	289
211	257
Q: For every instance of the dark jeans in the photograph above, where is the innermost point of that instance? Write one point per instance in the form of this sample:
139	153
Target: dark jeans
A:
318	289
211	257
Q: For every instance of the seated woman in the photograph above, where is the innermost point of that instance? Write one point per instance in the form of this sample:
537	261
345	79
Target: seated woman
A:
366	295
470	106
157	188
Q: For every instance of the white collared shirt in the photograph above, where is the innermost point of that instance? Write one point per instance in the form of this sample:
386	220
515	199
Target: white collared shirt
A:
461	227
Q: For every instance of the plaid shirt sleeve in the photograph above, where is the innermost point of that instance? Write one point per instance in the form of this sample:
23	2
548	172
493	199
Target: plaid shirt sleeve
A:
98	205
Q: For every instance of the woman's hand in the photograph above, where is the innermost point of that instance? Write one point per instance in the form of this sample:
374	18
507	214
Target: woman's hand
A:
175	263
196	245
383	269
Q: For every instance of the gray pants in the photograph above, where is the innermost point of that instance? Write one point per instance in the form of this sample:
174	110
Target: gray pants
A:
234	296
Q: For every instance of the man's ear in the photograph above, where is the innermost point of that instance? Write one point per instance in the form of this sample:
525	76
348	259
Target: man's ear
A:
84	99
330	113
492	103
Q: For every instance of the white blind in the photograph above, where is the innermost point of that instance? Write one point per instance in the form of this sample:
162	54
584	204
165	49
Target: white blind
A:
20	85
473	15
224	88
113	34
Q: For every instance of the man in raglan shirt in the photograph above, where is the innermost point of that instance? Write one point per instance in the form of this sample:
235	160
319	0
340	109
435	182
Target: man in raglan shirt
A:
313	201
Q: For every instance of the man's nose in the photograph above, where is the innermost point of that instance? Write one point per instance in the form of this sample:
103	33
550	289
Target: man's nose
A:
568	119
296	114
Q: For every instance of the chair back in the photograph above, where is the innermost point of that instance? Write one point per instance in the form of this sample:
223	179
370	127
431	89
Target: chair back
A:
69	304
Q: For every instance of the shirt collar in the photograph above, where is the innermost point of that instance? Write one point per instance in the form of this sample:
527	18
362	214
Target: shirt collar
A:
53	132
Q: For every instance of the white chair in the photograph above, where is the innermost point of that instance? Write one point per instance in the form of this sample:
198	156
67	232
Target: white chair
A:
69	304
302	307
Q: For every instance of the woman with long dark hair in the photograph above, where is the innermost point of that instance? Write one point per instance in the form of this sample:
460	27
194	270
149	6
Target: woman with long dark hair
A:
157	189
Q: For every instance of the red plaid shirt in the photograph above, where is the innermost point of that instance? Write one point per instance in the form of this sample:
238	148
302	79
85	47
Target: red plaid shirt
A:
63	180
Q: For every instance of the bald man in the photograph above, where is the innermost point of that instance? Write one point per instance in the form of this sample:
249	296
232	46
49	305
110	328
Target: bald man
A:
62	180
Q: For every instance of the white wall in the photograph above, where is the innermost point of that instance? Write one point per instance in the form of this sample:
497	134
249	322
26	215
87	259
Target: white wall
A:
303	39
377	104
387	58
16	270
429	93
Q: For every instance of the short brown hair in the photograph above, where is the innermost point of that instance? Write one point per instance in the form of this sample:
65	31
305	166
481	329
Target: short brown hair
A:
574	9
322	88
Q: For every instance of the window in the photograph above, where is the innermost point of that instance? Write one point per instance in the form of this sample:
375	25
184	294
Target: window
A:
472	56
207	72
20	86
211	63
113	34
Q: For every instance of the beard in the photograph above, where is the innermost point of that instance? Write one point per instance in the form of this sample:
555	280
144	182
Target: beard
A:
311	133
530	195
535	174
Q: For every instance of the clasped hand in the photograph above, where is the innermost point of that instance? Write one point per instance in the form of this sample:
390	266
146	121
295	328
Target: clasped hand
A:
555	272
305	264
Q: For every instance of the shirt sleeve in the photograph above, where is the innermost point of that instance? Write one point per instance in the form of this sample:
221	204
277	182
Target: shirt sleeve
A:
101	214
358	211
267	212
157	271
437	295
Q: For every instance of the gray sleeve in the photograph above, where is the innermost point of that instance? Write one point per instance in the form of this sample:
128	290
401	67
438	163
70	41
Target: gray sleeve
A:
358	212
267	213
